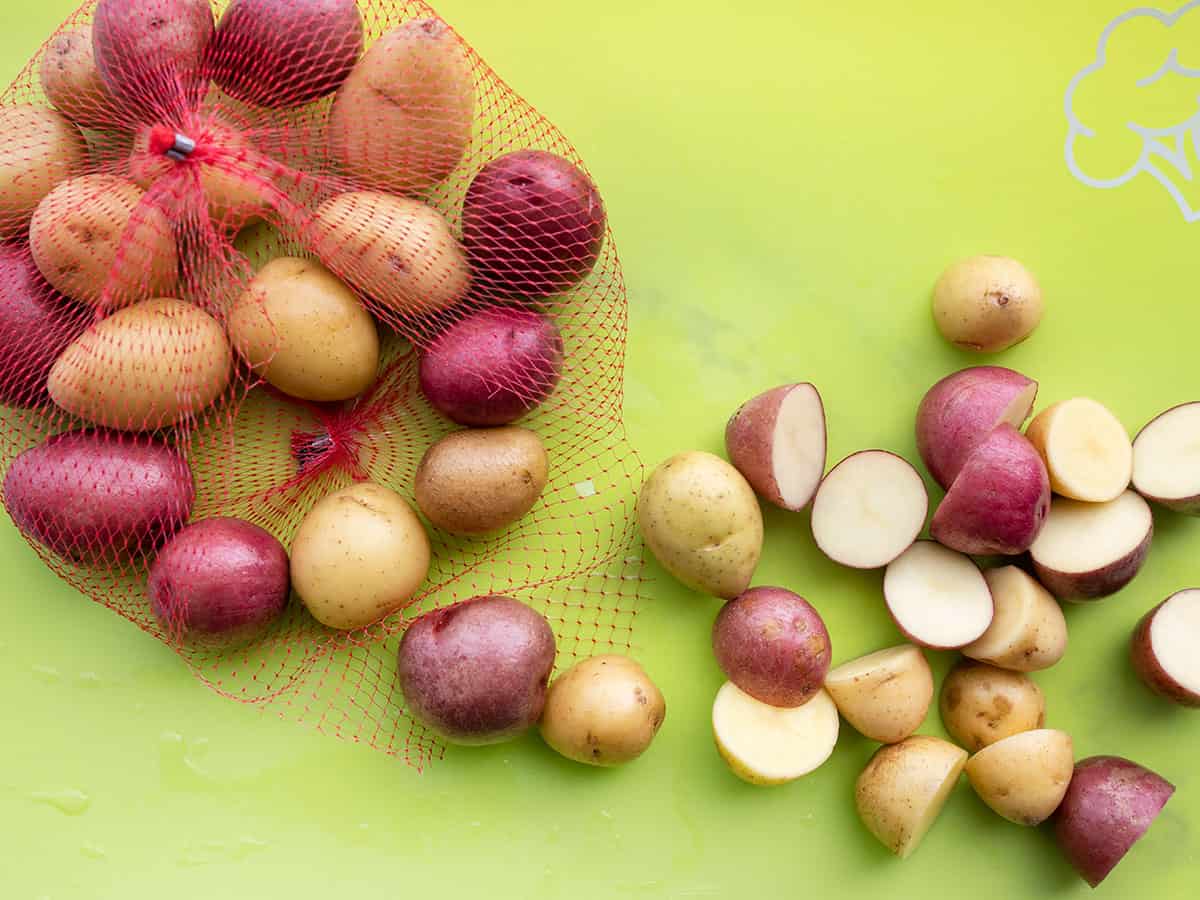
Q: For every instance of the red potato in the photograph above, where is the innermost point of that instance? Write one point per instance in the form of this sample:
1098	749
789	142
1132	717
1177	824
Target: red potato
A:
1109	805
219	581
37	323
98	495
777	441
999	499
1164	648
773	645
492	367
1166	459
285	53
476	672
961	410
937	598
533	225
1087	551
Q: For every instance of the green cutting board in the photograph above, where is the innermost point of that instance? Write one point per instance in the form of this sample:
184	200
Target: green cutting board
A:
785	184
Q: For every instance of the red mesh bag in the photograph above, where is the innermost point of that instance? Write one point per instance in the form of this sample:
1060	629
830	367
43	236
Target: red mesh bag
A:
262	256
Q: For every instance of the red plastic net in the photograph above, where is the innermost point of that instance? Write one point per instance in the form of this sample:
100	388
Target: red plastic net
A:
246	249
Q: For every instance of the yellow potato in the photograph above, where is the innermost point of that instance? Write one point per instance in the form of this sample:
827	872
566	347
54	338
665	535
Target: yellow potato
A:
399	252
769	745
884	695
603	711
93	242
482	479
981	704
305	332
402	119
73	83
1028	630
144	367
38	149
359	555
987	303
701	520
1024	777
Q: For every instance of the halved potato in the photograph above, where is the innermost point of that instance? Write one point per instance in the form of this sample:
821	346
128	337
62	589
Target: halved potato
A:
766	744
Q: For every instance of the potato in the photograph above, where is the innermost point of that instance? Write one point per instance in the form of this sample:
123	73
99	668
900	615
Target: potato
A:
1164	645
94	240
36	325
73	83
981	704
280	53
960	411
305	332
773	645
219	581
1028	631
768	745
701	521
777	441
603	711
1024	776
1110	803
476	672
533	225
987	303
904	787
402	120
493	366
999	500
1086	448
399	252
481	480
359	555
151	53
1166	459
884	695
148	366
39	149
96	496
937	597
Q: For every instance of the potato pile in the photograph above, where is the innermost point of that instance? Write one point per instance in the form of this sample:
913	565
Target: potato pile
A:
1058	511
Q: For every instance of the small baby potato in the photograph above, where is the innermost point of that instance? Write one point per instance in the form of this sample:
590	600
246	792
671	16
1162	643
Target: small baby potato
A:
981	704
1024	776
481	480
603	711
987	303
38	150
885	695
1028	631
73	83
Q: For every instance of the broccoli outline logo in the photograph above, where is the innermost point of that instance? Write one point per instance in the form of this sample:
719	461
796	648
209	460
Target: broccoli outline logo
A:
1159	145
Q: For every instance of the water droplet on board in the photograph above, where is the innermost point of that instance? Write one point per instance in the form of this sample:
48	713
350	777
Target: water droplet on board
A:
93	851
46	674
71	801
88	679
177	766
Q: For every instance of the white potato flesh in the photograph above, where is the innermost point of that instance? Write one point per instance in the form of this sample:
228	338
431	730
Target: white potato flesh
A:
1175	639
1166	455
798	445
937	597
1086	448
1083	537
766	744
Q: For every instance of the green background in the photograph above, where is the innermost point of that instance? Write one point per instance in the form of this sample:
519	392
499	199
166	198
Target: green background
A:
785	184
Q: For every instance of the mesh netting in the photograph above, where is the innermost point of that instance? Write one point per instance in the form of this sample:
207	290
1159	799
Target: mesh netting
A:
198	204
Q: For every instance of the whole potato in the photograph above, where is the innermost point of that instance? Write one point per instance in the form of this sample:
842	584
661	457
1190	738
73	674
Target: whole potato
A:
39	149
533	225
402	120
94	240
1024	776
493	366
987	303
145	367
305	332
285	53
359	555
476	672
481	480
701	520
73	83
219	581
981	704
36	325
399	252
603	711
97	496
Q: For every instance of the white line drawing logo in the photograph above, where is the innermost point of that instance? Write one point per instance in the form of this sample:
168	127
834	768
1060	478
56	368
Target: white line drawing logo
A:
1170	150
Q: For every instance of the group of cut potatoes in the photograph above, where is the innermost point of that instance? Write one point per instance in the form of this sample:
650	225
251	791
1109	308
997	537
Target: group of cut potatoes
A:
1066	502
109	314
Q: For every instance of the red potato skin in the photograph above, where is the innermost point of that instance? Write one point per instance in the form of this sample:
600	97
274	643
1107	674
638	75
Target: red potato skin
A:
773	645
219	580
999	501
1188	506
1109	805
749	440
476	672
492	367
99	496
1094	585
1147	667
959	412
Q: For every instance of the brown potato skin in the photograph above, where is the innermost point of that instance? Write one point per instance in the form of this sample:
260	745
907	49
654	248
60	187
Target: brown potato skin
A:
72	81
1146	665
41	149
481	480
987	303
980	704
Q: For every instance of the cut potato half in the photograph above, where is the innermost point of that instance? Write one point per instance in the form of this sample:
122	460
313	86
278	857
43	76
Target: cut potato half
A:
937	597
777	441
1028	630
1166	648
1086	449
1166	459
766	744
884	695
